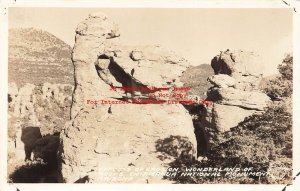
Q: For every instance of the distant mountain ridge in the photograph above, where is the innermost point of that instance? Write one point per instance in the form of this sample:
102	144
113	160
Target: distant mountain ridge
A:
36	56
195	78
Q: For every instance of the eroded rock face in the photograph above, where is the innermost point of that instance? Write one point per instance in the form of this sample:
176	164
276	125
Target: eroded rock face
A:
228	116
101	61
128	137
244	99
41	80
121	136
222	80
245	67
34	112
235	90
46	105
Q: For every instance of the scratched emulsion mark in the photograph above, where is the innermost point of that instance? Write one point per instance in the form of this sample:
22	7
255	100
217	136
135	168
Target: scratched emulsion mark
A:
297	175
4	11
289	4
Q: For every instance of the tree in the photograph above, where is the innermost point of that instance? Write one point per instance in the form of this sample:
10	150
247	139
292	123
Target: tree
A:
282	86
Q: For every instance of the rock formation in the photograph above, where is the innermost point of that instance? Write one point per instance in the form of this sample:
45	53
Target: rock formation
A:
103	130
47	105
34	112
235	92
41	80
122	136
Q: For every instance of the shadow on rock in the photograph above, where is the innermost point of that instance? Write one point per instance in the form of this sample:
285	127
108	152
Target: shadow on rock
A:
29	136
35	173
46	148
44	167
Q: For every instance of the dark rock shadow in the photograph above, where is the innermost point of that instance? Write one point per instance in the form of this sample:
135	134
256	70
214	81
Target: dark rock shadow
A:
203	132
44	166
84	179
29	136
202	137
46	148
35	173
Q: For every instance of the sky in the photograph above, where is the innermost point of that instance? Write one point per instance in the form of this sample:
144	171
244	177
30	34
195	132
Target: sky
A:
196	34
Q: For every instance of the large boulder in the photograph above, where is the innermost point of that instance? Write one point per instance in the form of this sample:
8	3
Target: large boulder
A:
235	91
235	97
244	66
127	137
123	135
143	66
237	62
228	116
98	22
100	60
222	80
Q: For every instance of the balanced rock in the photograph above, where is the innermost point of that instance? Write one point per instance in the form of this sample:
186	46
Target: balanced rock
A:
102	62
244	66
98	22
125	135
235	92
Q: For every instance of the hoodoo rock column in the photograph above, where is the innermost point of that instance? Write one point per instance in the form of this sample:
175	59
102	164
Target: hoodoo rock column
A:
122	136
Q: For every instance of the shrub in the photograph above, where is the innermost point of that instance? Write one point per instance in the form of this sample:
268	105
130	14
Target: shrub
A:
260	140
282	86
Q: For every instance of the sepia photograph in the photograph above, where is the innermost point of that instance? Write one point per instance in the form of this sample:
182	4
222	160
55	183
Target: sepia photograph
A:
150	95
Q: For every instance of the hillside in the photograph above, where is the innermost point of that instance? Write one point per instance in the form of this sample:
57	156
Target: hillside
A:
195	78
36	56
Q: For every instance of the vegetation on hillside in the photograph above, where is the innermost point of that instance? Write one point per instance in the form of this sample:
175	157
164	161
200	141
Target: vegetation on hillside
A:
36	56
195	78
281	87
262	142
